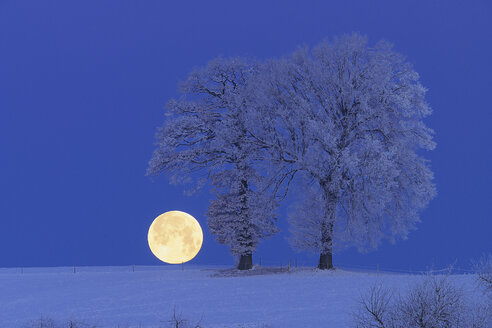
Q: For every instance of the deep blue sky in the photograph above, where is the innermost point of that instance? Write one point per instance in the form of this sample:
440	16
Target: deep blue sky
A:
83	86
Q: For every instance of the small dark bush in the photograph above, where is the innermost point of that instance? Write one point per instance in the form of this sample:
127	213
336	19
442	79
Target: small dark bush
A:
45	322
483	267
178	321
434	302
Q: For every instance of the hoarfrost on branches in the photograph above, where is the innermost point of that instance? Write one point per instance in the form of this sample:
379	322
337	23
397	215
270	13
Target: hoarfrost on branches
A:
345	117
349	116
206	132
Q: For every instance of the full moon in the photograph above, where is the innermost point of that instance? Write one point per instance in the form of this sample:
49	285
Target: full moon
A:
175	237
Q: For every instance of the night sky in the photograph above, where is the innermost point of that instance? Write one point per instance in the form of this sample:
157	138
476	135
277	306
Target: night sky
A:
83	85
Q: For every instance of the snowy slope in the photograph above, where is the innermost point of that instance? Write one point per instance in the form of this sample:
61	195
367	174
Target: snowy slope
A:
112	296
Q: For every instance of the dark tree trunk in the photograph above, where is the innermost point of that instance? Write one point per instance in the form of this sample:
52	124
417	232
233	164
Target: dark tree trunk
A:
325	261
326	255
245	262
244	237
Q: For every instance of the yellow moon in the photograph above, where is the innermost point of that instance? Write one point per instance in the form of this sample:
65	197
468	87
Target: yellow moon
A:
175	237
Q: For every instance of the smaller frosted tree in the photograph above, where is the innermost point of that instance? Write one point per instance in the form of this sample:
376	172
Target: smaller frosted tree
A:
206	134
237	217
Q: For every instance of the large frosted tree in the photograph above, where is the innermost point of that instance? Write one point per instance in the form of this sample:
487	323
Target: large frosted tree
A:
346	118
205	138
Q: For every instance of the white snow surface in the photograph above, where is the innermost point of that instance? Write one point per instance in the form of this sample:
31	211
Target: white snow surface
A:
118	297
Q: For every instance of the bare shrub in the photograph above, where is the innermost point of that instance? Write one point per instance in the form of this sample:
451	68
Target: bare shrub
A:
42	322
45	322
483	267
178	321
433	302
375	307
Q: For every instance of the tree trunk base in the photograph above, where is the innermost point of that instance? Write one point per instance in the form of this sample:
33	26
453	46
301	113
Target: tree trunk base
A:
325	262
245	262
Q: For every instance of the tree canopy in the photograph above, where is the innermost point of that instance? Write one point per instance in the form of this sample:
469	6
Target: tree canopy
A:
344	120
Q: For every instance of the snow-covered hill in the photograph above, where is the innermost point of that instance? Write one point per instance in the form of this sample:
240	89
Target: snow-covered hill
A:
112	296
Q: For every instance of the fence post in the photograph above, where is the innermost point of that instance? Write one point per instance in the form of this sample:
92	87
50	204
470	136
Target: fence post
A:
260	260
182	266
296	262
74	268
133	267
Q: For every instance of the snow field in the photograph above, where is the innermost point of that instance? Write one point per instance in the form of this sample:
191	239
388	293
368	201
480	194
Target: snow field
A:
112	296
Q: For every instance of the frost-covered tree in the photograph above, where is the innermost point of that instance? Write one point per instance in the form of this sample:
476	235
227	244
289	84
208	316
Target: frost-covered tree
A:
206	133
240	216
348	116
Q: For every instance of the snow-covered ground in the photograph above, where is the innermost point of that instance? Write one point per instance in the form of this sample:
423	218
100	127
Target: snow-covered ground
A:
116	296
